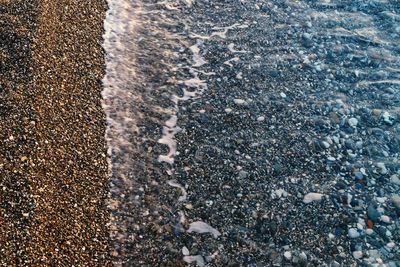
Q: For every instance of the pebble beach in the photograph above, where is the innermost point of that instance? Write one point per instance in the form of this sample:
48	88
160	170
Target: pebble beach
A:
53	167
200	133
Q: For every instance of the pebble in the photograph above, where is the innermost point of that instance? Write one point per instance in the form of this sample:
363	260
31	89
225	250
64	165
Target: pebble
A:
261	118
353	233
357	254
310	197
385	219
287	255
373	214
325	144
283	95
185	251
376	112
382	168
197	258
396	200
387	118
369	231
353	122
238	101
303	256
243	174
358	175
330	158
395	179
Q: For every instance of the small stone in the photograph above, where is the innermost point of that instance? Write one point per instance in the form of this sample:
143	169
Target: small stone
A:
310	197
353	122
396	200
24	159
373	214
376	112
261	118
387	118
357	254
287	255
283	95
395	179
325	144
243	174
382	168
307	36
185	251
358	175
385	219
303	256
369	231
370	224
353	233
238	101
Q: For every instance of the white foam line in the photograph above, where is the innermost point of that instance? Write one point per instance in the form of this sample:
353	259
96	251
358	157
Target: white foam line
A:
170	129
230	47
202	227
184	194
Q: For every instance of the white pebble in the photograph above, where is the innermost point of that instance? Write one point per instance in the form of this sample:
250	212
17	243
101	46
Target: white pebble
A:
228	110
369	231
353	233
261	118
385	219
382	167
287	255
198	259
238	101
353	122
303	256
325	144
310	197
391	245
283	94
357	254
381	199
185	251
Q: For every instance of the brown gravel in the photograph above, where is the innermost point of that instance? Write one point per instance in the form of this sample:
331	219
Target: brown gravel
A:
53	169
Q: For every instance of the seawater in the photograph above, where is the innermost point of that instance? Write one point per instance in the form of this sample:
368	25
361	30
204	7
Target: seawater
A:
157	67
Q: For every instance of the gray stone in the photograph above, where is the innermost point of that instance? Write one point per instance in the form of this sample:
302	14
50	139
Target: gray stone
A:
353	233
395	179
373	214
396	200
358	175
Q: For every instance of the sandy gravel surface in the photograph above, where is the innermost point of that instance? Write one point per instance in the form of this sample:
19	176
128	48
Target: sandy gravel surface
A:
53	169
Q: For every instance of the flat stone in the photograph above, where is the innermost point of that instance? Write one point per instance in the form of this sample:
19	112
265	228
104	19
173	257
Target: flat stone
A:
353	122
396	200
287	255
373	214
357	254
310	197
395	179
353	233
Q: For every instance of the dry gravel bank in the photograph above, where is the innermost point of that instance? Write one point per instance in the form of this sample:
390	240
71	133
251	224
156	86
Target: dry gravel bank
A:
53	169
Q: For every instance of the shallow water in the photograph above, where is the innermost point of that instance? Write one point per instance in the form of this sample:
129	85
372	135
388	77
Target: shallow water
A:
223	115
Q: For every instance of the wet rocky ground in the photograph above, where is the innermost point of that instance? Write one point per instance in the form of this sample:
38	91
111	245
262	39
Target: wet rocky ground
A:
286	155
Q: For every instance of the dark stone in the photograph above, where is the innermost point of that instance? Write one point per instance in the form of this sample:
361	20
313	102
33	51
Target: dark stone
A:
373	214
